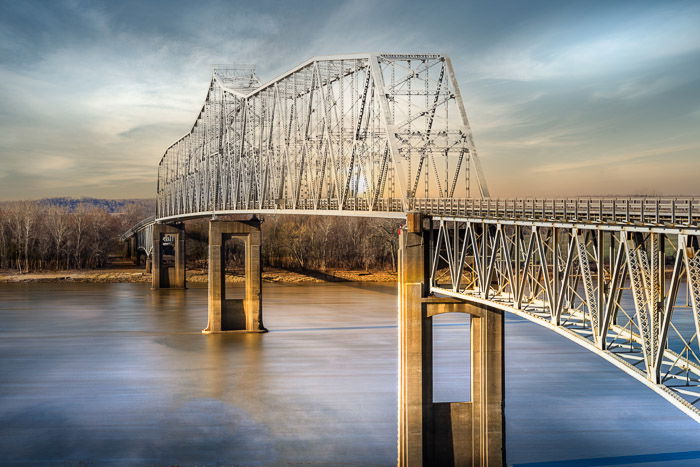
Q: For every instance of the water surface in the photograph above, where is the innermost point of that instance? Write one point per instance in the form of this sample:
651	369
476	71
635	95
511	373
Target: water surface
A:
118	374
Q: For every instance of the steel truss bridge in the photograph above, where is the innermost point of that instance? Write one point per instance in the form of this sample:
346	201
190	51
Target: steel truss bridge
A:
385	135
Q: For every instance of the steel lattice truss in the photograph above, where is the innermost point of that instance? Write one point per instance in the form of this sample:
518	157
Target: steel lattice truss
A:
355	132
630	294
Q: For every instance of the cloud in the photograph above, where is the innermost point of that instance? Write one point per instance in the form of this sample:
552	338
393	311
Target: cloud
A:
94	92
637	88
615	159
550	53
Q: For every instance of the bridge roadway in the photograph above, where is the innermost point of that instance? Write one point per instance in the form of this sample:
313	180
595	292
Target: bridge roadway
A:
387	135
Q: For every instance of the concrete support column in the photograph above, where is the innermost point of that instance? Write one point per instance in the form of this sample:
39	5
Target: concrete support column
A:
445	433
127	248
487	387
132	249
227	315
168	262
415	347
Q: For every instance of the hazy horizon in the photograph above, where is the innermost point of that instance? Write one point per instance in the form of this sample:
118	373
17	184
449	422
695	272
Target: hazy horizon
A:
567	99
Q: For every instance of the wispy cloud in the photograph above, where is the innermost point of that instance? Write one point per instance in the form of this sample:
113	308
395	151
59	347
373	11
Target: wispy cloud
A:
94	92
549	52
615	159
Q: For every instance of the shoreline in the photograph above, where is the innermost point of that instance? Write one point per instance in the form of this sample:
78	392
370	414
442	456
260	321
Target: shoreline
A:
194	276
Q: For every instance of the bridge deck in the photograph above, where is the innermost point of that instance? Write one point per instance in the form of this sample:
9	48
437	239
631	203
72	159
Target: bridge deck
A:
667	212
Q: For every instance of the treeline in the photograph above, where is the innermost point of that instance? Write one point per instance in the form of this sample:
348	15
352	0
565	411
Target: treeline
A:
39	235
36	235
324	242
112	206
315	243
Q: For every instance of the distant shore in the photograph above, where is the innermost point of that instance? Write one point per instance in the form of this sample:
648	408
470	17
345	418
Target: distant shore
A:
194	276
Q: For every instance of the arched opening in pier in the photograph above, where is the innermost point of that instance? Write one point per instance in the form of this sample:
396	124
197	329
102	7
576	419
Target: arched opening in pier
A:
451	357
234	267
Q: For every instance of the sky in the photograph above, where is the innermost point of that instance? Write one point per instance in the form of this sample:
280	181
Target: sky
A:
565	98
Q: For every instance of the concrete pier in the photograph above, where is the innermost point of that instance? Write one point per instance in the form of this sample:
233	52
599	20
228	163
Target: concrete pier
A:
168	262
465	433
131	249
235	315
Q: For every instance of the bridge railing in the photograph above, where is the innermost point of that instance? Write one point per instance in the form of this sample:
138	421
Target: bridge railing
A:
647	211
675	211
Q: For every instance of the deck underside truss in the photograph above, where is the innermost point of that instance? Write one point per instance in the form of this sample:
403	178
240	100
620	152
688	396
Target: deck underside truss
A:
631	296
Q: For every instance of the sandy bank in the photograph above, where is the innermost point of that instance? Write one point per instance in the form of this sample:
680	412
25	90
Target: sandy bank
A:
194	276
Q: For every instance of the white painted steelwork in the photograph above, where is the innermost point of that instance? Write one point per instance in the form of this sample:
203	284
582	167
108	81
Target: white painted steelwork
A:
381	135
143	231
608	289
347	132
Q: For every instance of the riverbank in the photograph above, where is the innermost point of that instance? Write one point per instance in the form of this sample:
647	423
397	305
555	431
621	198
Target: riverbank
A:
195	276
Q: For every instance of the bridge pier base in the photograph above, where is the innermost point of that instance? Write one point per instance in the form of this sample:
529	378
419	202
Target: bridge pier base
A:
235	315
131	248
168	257
445	433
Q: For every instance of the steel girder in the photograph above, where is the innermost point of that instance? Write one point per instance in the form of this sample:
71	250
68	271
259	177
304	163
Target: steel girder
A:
380	133
608	290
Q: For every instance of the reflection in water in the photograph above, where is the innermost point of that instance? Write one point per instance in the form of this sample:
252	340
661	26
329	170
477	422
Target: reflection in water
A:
120	374
216	382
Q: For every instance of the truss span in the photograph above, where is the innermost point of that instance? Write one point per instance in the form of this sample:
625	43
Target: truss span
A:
630	294
348	132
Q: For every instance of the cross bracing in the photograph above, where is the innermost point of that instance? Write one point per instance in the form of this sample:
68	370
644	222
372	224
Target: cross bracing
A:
368	132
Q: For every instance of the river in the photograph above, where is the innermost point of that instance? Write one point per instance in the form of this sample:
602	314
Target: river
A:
118	374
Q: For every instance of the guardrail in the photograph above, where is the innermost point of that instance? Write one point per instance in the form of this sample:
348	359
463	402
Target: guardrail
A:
648	211
675	211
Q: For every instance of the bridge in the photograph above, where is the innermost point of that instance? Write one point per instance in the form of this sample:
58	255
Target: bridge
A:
387	135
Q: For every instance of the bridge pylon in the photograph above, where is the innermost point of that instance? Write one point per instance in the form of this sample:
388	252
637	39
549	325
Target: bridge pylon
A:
168	257
235	314
466	433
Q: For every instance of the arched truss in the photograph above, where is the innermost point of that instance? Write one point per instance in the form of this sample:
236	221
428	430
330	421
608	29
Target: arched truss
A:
354	132
144	239
630	294
143	231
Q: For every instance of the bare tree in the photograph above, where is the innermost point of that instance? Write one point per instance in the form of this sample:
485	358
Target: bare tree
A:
3	238
57	225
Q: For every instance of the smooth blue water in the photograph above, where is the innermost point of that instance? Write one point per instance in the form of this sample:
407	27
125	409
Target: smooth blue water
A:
118	374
